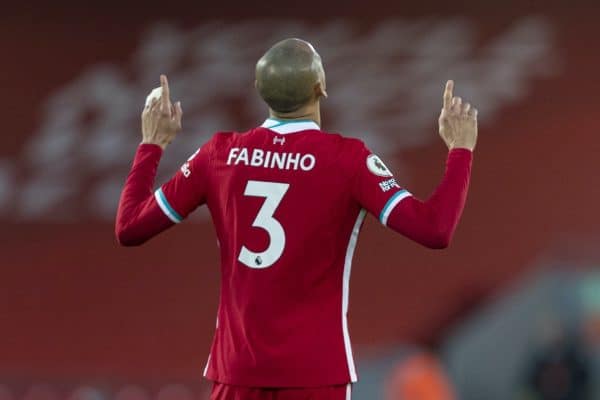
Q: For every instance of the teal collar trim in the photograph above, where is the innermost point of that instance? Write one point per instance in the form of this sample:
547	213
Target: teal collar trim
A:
290	126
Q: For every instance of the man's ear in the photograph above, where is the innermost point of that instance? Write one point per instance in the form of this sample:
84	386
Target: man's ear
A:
320	90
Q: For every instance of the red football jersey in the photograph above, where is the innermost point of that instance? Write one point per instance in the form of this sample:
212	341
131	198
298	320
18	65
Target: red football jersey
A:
287	201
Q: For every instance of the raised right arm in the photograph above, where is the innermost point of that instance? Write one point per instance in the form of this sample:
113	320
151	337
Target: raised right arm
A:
431	222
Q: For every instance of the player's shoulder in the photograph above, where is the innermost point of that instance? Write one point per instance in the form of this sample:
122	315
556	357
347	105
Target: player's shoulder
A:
346	143
223	138
206	150
217	141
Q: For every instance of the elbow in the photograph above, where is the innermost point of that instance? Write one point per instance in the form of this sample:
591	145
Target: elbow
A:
439	240
128	242
440	235
125	238
438	244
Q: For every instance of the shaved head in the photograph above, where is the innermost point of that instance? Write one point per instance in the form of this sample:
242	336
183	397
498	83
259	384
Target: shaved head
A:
290	75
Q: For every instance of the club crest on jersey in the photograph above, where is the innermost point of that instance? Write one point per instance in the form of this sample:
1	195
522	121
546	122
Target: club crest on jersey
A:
377	167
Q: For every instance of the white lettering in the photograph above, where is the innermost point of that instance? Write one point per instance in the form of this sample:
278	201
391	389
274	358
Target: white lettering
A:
270	159
232	153
278	158
292	159
311	159
388	185
257	158
243	157
185	170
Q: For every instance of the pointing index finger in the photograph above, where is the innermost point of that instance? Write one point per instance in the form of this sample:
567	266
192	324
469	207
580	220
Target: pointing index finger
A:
166	96
448	94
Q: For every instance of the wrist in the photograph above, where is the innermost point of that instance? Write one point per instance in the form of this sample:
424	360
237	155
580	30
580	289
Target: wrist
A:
464	140
464	146
154	143
151	145
148	153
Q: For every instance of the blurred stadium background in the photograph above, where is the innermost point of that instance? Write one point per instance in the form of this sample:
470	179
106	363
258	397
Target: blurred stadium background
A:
510	311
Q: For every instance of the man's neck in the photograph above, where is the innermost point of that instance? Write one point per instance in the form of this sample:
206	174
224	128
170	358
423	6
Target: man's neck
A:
310	113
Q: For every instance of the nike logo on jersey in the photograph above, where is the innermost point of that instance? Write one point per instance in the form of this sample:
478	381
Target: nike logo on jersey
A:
271	159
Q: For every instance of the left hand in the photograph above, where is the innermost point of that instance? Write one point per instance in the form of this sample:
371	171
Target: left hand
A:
161	120
458	121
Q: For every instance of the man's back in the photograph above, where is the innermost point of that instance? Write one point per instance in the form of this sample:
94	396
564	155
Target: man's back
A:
287	224
287	201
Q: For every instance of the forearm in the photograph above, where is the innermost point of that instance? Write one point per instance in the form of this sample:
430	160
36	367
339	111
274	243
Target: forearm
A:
139	218
432	223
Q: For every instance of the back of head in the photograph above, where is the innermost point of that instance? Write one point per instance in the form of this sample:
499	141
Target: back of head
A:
288	75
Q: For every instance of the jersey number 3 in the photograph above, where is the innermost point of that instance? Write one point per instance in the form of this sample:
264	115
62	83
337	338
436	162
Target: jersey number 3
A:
273	193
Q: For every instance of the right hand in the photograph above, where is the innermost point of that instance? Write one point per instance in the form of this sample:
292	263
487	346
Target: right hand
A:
160	119
458	121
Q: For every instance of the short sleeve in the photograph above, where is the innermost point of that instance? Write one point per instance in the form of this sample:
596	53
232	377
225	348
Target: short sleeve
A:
187	189
374	186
